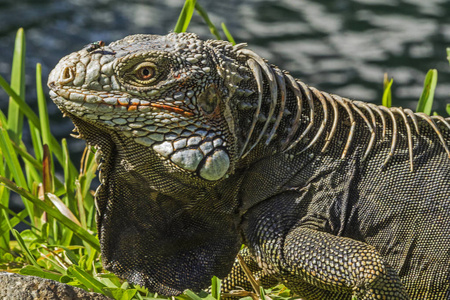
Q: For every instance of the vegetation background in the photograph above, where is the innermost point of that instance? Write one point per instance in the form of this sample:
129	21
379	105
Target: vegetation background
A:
343	47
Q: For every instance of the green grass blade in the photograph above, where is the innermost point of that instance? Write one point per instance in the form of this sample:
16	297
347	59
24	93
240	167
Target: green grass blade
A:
36	141
45	125
20	217
33	271
90	171
6	223
4	200
25	249
69	181
11	158
185	16
86	205
80	202
215	287
43	112
47	174
54	259
196	296
90	265
429	86
38	136
34	167
57	151
448	109
70	255
448	55
192	295
3	120
25	108
205	17
68	173
228	34
121	294
262	293
15	116
4	197
80	232
13	164
86	279
27	157
387	94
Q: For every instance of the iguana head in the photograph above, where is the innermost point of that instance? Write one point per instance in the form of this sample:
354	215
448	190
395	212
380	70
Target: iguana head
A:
163	112
168	93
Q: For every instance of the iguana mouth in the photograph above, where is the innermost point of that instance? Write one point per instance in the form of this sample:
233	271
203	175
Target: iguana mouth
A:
128	103
173	109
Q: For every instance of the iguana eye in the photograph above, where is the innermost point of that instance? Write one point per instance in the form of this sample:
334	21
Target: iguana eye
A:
145	71
139	71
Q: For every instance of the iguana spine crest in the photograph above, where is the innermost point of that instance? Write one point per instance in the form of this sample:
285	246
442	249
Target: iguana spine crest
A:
279	82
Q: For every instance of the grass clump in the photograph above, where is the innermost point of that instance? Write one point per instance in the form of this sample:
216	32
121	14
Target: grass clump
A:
61	243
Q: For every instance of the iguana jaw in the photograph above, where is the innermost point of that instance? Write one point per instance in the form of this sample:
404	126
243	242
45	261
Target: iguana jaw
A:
162	231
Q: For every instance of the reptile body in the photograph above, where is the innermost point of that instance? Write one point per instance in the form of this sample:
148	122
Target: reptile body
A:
204	146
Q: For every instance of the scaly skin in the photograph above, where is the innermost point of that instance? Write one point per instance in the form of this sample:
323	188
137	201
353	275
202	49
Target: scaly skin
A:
203	146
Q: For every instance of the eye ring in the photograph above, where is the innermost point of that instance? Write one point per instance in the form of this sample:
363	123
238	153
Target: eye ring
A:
145	71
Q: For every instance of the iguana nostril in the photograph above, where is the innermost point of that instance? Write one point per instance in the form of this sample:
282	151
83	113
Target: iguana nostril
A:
67	75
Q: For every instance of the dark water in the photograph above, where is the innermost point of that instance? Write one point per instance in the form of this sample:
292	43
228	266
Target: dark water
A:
342	46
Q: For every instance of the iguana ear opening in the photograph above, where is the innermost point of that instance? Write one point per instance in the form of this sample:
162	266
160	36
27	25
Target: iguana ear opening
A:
208	101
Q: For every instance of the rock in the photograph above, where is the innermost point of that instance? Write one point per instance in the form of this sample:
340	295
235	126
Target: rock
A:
15	286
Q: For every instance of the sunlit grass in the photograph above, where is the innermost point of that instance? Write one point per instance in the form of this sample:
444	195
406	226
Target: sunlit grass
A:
61	242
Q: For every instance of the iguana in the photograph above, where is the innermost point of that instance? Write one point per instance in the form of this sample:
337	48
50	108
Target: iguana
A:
204	146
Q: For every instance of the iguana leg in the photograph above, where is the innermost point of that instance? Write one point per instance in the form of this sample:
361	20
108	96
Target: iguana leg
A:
238	280
338	264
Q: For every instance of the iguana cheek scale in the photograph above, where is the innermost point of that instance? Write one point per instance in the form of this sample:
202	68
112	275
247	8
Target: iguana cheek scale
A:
204	146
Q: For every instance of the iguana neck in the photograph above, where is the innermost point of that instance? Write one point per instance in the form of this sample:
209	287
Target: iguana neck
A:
276	113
